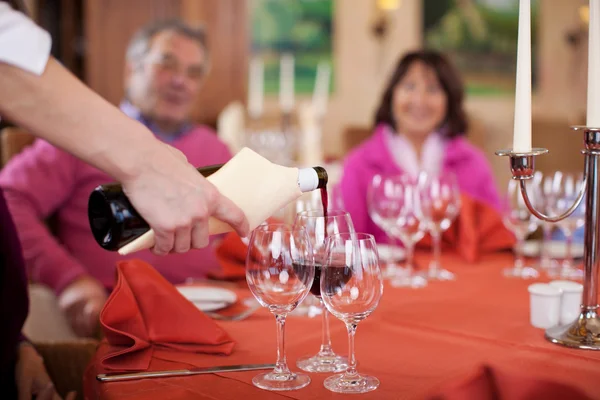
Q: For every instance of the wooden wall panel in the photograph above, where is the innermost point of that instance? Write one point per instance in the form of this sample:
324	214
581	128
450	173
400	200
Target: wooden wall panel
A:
226	23
111	23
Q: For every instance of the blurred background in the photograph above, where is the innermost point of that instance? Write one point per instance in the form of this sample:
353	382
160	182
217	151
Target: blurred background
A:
361	41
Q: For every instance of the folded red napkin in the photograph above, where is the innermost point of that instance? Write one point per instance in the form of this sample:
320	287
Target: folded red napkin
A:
231	253
145	312
492	384
477	230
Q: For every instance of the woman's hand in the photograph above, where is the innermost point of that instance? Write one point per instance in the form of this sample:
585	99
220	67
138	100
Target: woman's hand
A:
177	201
32	378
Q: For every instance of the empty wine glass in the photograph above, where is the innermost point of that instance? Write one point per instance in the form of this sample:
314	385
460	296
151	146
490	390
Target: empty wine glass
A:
568	189
439	207
381	210
393	203
280	271
318	228
351	287
519	220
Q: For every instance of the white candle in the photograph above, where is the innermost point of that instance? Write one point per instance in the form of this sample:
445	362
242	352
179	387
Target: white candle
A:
522	127
286	83
256	88
593	89
321	91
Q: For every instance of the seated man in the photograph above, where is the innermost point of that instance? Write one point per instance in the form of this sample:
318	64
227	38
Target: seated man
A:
166	64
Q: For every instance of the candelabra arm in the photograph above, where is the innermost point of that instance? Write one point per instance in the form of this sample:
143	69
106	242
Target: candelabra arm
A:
548	218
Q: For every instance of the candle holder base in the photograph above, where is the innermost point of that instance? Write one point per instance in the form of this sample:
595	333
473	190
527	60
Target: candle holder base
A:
584	333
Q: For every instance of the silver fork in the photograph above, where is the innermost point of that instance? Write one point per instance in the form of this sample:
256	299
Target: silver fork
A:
237	317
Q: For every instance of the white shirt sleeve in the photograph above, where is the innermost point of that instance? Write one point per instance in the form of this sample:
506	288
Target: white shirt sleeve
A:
23	43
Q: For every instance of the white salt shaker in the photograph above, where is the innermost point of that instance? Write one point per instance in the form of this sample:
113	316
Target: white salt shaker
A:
570	307
544	303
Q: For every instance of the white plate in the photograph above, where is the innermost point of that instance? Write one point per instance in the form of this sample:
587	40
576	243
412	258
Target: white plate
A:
388	253
556	249
208	298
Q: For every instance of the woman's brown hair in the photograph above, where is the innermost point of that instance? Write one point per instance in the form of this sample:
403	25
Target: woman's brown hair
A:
18	5
455	123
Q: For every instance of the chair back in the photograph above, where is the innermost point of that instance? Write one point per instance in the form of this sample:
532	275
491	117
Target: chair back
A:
12	141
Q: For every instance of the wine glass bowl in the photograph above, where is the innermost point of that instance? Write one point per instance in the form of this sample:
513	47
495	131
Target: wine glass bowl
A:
279	272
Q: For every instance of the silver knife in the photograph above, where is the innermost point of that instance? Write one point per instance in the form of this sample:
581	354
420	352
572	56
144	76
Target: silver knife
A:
181	372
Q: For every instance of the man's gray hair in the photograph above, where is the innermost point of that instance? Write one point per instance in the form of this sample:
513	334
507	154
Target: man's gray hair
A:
140	42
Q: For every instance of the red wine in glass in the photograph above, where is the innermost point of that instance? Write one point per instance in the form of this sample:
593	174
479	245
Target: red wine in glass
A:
342	275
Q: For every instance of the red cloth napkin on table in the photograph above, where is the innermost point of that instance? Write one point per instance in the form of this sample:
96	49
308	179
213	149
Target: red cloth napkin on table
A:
231	254
477	230
492	384
145	311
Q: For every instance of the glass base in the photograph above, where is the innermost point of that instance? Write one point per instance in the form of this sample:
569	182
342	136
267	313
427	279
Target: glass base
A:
323	362
390	271
548	264
566	273
351	384
406	278
439	274
524	273
281	381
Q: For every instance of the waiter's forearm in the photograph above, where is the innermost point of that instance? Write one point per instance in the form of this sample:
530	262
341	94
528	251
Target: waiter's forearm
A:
62	110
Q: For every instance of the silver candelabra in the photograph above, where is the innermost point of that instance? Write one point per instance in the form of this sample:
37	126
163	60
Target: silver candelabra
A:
584	333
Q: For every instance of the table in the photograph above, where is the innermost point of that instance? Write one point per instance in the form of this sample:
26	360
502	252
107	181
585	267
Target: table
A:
414	342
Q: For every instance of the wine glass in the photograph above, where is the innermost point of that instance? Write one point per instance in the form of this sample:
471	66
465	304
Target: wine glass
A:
439	207
318	228
548	187
567	191
382	212
519	220
351	287
393	203
280	271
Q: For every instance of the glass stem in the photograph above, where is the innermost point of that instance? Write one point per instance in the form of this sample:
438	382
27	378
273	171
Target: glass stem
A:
351	371
410	253
568	262
326	338
547	236
436	236
391	265
519	256
281	365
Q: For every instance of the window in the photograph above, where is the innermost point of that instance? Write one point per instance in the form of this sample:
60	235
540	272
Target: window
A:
302	28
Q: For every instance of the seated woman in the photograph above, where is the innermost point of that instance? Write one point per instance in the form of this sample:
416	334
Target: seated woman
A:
419	126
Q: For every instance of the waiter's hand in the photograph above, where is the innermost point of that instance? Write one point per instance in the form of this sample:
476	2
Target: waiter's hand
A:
81	301
32	378
177	202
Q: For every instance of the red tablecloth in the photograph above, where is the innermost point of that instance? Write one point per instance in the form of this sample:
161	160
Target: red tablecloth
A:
415	342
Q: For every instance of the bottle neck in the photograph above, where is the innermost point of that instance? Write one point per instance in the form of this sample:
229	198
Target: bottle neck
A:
310	179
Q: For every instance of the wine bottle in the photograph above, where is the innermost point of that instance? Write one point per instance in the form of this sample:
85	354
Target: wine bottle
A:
259	187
